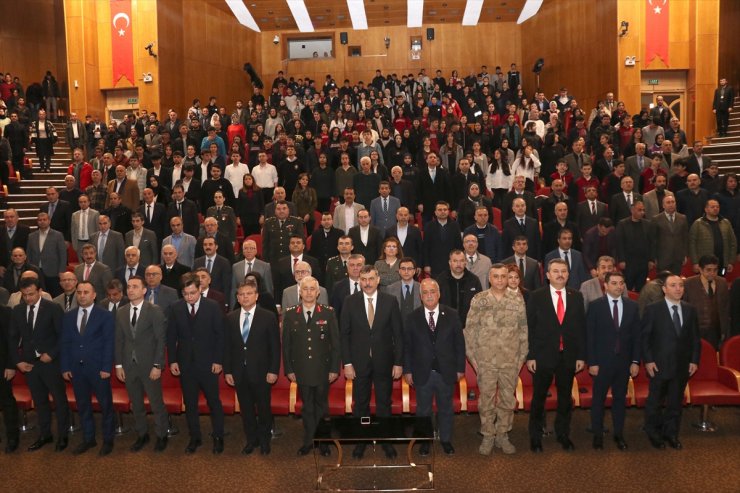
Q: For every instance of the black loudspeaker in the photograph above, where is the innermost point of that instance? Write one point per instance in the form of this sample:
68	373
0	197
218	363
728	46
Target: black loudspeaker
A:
538	65
430	33
343	38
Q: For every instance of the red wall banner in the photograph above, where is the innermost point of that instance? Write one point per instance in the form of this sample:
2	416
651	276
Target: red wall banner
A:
656	31
122	41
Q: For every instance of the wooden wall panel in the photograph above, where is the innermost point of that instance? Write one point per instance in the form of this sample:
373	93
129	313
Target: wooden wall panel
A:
729	41
578	41
454	47
28	42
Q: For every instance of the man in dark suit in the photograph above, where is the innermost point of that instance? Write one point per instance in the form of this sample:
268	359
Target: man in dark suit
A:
313	364
185	209
408	235
225	245
252	363
522	225
91	270
633	241
441	236
34	330
621	203
590	210
109	244
724	98
195	348
217	266
154	214
518	192
372	348
434	359
671	349
282	270
172	270
434	186
148	241
157	293
141	333
691	200
576	269
457	285
557	348
211	293
115	298
60	213
372	245
324	241
489	238
407	291
551	230
7	400
670	237
529	268
133	266
47	250
18	265
119	214
86	347
612	354
12	235
349	285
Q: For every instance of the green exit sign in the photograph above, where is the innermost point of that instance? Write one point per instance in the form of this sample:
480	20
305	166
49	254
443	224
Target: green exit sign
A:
136	100
653	82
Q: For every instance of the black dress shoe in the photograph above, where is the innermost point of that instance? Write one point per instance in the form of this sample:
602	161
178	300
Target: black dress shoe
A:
193	445
140	442
61	444
424	449
161	444
447	448
674	442
218	445
565	442
390	451
84	447
40	443
359	450
656	442
265	449
621	444
12	446
305	450
598	441
106	449
249	448
324	449
535	445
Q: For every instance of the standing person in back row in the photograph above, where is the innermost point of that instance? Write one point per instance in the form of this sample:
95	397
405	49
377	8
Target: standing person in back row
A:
557	348
724	98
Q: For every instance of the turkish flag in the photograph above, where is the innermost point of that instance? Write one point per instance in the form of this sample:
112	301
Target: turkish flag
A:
656	30
122	41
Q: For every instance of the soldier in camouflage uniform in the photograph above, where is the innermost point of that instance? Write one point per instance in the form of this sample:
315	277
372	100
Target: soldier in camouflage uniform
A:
277	232
311	356
496	345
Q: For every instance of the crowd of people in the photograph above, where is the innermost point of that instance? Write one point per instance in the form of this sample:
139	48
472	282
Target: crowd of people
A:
384	232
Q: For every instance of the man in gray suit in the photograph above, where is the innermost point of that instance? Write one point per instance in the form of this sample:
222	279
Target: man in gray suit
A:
115	298
476	262
141	330
97	273
47	250
109	244
383	209
594	288
654	198
291	294
157	293
67	300
84	224
183	242
531	278
342	211
144	239
634	165
250	264
407	291
670	231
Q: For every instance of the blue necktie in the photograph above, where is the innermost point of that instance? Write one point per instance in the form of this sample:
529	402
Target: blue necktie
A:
245	328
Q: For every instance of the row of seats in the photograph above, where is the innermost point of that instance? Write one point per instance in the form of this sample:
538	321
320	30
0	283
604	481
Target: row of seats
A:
712	385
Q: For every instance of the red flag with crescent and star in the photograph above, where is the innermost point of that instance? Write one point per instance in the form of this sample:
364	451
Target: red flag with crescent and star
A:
122	42
656	31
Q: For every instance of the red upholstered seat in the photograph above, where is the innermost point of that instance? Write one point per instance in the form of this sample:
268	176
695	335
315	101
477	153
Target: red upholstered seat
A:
584	390
281	392
171	393
396	398
713	384
469	392
730	355
526	389
496	219
226	393
21	392
638	389
340	396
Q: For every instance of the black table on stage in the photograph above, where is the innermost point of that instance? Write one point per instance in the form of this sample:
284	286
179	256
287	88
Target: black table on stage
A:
349	429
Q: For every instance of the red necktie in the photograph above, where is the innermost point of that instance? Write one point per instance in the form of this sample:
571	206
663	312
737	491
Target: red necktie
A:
561	314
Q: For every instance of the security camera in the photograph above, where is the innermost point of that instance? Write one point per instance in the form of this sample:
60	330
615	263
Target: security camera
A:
387	41
276	39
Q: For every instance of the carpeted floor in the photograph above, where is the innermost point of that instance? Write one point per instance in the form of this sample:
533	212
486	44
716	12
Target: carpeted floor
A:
709	462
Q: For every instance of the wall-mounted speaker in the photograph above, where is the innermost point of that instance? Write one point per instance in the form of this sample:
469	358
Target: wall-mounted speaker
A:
430	33
343	38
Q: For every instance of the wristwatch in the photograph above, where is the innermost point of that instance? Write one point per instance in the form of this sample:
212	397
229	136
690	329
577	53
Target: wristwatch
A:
157	366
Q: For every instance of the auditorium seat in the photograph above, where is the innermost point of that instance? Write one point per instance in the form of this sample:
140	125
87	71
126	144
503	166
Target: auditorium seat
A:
340	396
583	394
729	355
469	392
496	219
633	295
121	402
712	385
638	389
396	398
525	389
172	397
227	394
280	394
731	276
316	221
23	399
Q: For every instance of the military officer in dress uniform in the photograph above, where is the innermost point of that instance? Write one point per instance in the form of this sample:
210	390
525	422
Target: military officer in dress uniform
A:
277	232
496	345
311	353
336	267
